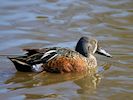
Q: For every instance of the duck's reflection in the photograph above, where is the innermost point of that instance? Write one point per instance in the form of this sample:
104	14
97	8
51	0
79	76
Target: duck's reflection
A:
84	80
29	80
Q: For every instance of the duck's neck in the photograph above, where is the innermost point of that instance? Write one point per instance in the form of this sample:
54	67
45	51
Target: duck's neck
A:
82	48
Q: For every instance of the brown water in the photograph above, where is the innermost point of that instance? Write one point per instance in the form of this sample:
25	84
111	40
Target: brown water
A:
43	23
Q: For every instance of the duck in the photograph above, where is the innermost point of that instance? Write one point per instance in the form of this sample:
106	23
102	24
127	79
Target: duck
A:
61	60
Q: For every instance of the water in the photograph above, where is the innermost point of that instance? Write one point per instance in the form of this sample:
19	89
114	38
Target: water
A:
45	23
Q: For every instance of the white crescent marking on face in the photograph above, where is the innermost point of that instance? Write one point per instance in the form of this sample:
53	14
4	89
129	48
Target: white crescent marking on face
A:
95	48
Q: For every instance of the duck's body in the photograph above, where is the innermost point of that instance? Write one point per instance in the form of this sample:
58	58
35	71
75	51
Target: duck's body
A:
59	60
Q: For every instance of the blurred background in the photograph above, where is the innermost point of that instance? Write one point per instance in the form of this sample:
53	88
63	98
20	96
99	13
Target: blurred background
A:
46	23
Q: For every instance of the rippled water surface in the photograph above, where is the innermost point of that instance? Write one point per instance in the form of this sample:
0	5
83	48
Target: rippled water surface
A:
44	23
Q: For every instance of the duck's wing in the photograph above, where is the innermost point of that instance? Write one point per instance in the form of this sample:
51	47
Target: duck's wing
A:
34	59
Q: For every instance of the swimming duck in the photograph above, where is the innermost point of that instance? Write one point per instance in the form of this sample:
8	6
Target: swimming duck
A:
61	60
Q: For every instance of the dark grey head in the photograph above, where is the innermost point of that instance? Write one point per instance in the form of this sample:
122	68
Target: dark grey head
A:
89	45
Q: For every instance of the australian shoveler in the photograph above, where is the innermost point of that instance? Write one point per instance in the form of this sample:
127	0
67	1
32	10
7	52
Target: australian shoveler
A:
61	60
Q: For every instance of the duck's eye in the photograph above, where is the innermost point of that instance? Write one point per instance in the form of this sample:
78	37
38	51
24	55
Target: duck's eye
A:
93	42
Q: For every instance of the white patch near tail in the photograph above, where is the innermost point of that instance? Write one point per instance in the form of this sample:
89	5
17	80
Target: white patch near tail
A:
37	67
48	53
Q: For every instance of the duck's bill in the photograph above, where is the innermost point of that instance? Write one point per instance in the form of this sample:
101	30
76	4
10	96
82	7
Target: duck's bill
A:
103	52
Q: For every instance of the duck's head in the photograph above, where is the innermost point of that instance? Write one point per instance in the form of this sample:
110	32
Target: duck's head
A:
89	45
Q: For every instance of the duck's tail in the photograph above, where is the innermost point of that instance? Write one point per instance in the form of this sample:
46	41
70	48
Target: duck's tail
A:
23	66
